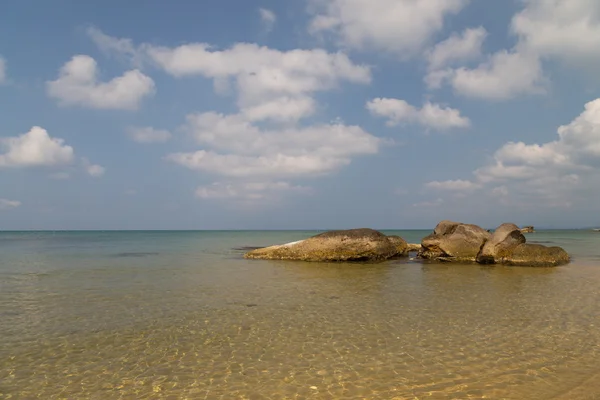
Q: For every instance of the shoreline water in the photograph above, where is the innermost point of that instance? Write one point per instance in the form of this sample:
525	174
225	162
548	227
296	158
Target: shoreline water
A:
152	315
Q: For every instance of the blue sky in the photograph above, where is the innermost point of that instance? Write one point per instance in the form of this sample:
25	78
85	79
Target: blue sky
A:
227	114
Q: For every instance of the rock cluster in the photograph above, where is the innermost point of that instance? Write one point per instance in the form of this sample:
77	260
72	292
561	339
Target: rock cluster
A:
450	241
455	241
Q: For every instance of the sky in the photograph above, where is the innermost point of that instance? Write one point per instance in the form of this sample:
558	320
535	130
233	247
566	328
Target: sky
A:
304	114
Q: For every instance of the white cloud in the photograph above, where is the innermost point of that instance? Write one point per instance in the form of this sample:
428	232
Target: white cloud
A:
274	90
77	85
281	109
148	134
115	46
2	70
431	115
451	185
289	151
248	191
402	27
294	71
93	170
34	148
268	18
552	173
565	29
264	76
504	75
6	204
457	48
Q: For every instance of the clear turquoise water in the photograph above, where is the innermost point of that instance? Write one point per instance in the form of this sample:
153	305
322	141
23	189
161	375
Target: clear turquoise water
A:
103	315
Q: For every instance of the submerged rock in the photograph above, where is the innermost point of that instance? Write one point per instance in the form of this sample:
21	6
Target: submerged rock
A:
345	245
453	241
536	255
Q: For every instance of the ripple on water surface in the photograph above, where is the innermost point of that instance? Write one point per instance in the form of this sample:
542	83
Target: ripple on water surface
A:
221	327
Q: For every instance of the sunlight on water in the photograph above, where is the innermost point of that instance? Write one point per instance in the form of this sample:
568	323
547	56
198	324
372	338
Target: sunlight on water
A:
182	315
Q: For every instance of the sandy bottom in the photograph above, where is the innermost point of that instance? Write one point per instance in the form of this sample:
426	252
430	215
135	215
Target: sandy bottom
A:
246	329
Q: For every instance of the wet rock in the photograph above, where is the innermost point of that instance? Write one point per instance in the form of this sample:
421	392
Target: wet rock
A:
536	255
413	247
401	245
454	241
508	246
501	244
345	245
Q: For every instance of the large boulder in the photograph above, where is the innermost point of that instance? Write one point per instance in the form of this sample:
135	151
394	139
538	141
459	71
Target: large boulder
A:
536	255
508	246
454	241
501	244
347	245
401	245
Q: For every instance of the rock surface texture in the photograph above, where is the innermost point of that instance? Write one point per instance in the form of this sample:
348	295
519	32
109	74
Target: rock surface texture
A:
454	241
365	245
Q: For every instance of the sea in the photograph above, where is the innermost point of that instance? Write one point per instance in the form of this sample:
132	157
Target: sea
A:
182	315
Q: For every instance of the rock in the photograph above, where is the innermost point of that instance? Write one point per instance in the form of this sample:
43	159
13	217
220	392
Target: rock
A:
527	229
347	245
501	244
401	245
536	255
454	241
413	247
508	246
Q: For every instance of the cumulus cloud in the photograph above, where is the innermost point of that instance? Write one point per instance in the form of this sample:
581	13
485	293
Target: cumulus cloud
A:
271	84
249	191
457	48
431	115
268	18
6	204
504	75
148	134
246	150
402	27
568	30
93	170
552	173
564	30
34	149
78	85
266	139
2	70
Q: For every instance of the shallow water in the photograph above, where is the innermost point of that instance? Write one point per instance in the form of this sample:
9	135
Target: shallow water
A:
175	315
